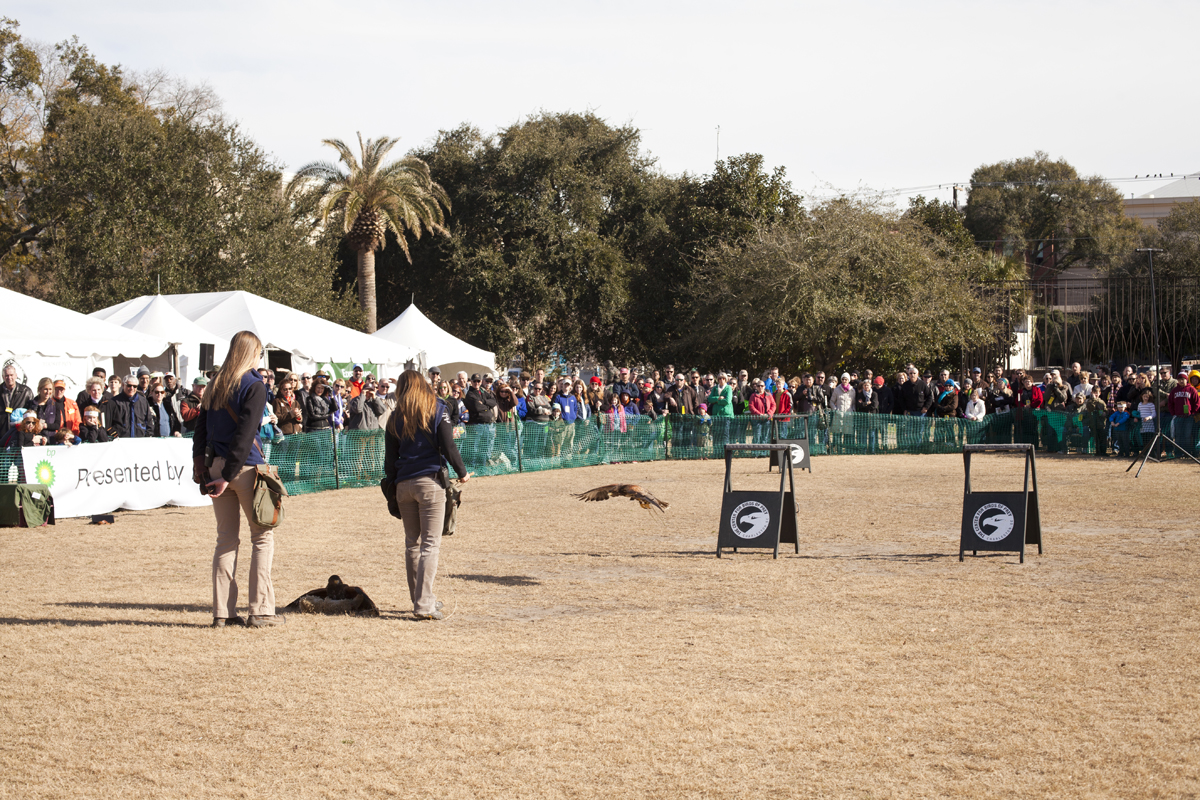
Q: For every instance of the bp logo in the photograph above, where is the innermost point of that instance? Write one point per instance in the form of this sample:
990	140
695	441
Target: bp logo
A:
797	454
993	522
750	519
44	473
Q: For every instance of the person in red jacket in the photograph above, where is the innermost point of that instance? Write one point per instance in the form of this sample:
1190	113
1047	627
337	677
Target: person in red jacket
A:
762	406
1182	403
1027	399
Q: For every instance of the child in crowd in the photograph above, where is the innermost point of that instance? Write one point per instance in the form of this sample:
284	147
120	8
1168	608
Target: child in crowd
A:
31	430
1075	425
704	425
268	431
1146	411
1119	422
558	430
90	431
1096	415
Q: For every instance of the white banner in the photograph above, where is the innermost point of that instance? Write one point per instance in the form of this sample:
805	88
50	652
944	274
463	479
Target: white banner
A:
136	474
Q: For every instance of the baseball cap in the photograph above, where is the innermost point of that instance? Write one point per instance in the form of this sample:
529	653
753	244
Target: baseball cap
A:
557	407
200	381
156	375
977	369
356	366
168	374
623	369
878	380
476	377
91	411
60	384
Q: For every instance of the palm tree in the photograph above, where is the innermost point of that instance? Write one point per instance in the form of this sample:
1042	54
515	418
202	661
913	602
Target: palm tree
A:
372	198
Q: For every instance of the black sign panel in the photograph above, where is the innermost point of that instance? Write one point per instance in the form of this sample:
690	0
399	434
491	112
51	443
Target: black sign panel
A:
994	521
1000	521
755	519
798	453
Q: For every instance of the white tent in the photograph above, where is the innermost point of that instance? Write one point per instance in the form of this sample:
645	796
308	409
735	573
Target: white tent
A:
47	341
154	315
450	354
313	343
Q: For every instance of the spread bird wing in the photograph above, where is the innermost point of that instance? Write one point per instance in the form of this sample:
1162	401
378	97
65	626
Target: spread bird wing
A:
600	493
632	491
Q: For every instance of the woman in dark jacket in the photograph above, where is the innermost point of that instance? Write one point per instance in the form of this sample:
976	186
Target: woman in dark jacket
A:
225	454
866	401
317	408
418	442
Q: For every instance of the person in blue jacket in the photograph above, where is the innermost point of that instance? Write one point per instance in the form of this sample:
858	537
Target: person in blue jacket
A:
418	441
225	453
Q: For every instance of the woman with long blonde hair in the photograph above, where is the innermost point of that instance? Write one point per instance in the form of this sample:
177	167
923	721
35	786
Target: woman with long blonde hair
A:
418	441
225	452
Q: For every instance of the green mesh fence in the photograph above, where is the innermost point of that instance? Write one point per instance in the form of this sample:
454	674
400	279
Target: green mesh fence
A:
315	462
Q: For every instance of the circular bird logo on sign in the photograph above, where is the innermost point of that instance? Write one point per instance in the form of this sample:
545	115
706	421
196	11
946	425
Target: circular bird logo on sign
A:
993	522
750	519
797	454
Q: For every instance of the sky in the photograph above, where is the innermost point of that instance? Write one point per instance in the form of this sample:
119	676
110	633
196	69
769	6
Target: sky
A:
853	96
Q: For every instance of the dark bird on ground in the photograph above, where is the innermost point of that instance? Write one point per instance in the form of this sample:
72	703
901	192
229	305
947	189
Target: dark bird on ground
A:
630	490
335	598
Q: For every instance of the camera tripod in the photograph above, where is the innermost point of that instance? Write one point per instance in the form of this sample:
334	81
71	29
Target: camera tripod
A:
1167	441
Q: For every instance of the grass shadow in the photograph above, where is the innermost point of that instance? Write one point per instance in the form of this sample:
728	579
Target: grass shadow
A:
100	623
137	606
899	557
500	580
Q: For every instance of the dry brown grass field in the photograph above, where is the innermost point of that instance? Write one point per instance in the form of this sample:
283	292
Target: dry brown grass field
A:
599	651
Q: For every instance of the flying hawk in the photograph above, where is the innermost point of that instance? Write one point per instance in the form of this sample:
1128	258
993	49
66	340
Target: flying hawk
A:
630	490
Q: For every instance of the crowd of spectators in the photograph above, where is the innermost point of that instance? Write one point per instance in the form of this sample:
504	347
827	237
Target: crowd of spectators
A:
1106	411
155	404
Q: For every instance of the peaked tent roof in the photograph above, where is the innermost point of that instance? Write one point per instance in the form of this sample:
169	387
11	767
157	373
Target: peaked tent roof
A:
154	315
417	330
280	327
30	326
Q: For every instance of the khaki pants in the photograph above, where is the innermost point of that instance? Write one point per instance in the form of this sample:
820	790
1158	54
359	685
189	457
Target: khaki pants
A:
235	500
423	509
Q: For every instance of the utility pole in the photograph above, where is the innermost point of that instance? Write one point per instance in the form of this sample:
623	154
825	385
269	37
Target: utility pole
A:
718	143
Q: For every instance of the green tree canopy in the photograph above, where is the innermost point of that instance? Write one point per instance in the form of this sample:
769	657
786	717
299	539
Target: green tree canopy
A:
138	201
550	217
1037	206
1178	237
848	284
